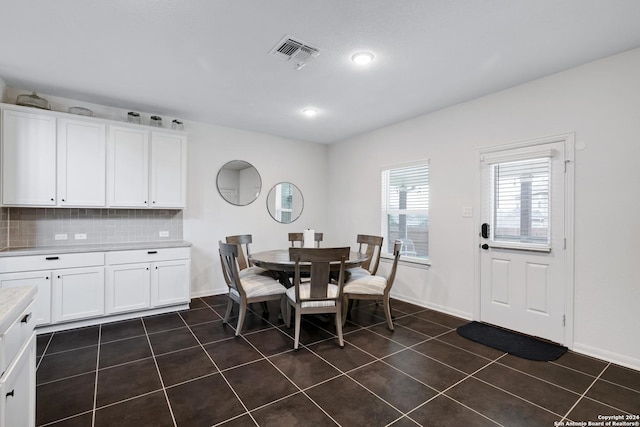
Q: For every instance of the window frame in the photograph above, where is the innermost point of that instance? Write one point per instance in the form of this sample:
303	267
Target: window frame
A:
385	210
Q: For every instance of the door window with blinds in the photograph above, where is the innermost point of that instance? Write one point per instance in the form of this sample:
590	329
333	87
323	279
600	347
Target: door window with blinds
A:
520	206
405	210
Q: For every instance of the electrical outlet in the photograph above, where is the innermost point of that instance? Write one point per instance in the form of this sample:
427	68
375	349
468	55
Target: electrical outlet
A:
62	236
467	212
80	236
164	234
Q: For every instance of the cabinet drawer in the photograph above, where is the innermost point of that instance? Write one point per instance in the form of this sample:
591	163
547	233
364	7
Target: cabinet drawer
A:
146	255
51	261
17	334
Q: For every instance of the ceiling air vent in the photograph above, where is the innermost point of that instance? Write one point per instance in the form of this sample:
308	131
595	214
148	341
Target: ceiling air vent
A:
298	51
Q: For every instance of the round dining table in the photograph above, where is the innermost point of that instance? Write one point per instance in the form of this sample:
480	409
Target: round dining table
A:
278	261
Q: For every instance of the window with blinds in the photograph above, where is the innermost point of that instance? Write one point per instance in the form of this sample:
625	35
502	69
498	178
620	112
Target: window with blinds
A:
405	209
521	201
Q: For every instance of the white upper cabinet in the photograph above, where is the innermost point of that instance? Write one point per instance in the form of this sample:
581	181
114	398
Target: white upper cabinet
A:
81	163
168	170
59	159
128	167
28	159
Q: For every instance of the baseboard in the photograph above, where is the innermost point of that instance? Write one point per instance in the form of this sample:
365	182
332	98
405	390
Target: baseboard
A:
436	307
609	356
209	292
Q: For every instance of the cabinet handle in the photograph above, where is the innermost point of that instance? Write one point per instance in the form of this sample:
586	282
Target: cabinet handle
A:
147	268
152	252
154	202
10	394
52	199
26	318
58	277
47	278
63	200
52	258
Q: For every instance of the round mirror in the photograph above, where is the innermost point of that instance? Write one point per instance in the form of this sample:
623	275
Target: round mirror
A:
239	183
285	202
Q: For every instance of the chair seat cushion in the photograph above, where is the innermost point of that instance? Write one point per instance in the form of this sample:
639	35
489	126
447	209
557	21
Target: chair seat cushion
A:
305	291
251	271
257	286
357	273
369	285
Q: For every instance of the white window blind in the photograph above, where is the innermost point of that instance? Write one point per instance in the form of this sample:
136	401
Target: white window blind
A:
405	209
521	207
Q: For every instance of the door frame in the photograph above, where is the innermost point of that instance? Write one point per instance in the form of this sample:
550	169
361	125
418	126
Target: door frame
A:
569	185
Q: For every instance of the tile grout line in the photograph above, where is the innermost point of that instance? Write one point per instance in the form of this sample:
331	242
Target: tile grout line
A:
95	390
155	362
221	375
585	392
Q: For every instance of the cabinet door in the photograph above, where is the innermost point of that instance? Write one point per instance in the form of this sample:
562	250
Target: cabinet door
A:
28	159
40	279
168	170
77	293
81	163
127	288
169	282
18	405
128	167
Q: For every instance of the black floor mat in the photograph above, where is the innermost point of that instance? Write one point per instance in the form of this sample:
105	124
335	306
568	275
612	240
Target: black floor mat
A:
511	342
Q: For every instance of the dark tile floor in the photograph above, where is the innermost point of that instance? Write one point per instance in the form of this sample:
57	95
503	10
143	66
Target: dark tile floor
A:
187	369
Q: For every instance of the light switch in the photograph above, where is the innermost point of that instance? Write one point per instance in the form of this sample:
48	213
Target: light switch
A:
467	212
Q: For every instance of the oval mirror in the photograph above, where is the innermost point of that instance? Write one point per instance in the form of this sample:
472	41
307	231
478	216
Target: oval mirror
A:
239	183
285	202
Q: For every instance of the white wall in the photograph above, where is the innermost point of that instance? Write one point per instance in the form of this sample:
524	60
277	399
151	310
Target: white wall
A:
208	218
600	102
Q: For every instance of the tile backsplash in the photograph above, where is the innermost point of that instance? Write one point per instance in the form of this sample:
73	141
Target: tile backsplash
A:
34	227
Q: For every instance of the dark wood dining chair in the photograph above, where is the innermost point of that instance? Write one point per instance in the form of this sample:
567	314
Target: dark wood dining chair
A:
372	247
242	241
373	287
247	289
299	238
319	295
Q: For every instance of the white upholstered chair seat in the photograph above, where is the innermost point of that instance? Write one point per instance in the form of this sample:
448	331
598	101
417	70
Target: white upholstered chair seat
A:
257	286
305	291
369	285
357	273
251	271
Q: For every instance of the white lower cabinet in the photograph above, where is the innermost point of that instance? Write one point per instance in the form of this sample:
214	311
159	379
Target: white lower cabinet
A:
78	286
77	293
170	282
40	279
18	389
18	370
141	279
127	288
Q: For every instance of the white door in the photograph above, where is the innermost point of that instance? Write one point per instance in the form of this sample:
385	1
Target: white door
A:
40	279
524	262
128	167
127	287
28	159
170	282
81	163
77	293
168	170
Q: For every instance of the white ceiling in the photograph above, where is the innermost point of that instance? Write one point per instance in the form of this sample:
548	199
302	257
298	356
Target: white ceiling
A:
208	60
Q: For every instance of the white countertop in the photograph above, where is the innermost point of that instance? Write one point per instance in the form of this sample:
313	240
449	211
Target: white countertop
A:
106	247
12	302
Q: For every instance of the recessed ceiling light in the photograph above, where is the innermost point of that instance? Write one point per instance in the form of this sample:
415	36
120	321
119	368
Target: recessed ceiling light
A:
362	58
309	112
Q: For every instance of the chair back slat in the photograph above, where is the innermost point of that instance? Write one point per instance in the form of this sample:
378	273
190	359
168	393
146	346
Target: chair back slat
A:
371	245
228	259
397	248
239	241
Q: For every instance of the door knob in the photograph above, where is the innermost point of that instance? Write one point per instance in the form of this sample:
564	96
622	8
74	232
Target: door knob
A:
485	246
